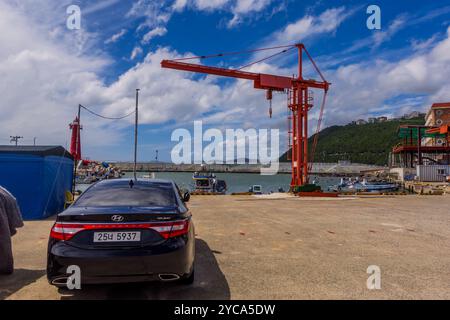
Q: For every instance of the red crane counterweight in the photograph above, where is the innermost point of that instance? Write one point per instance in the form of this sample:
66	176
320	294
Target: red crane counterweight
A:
299	102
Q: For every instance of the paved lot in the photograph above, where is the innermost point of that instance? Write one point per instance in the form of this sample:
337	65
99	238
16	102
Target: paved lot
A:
250	248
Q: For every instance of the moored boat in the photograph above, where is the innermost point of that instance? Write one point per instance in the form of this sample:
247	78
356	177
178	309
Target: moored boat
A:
207	182
350	185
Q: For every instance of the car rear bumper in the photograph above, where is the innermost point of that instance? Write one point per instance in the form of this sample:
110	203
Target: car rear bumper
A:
173	257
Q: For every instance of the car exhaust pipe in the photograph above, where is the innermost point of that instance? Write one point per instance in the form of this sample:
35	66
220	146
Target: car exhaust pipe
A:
168	276
61	281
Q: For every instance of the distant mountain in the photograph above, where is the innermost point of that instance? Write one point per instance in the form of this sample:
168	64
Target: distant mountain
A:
365	143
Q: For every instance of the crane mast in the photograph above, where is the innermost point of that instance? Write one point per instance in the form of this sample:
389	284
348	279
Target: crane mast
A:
299	103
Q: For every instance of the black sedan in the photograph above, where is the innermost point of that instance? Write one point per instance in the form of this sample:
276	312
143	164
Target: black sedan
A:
124	230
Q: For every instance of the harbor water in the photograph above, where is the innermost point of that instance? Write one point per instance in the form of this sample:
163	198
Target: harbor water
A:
237	182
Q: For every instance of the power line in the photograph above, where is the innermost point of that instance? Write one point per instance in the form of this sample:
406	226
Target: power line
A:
105	117
15	139
136	132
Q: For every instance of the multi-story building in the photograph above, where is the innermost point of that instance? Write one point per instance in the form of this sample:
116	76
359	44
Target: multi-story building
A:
438	115
414	114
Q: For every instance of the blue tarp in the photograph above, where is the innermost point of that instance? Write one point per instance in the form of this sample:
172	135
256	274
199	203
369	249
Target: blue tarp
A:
38	181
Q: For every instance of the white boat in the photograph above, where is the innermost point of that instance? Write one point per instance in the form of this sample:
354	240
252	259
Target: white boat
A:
364	186
256	189
208	182
149	176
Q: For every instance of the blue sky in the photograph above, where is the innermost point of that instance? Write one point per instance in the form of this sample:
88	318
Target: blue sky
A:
50	69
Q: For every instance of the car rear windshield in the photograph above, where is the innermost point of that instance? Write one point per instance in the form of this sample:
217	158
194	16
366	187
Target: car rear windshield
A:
124	195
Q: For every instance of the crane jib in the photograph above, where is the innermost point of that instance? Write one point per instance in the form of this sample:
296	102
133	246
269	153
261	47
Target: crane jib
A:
299	102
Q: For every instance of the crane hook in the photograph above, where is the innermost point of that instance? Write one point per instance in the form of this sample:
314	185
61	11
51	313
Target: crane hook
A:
270	109
269	97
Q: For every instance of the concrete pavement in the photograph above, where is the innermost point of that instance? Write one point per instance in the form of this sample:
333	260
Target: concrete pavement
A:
275	248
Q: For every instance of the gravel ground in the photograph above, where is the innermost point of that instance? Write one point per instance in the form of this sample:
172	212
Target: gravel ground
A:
282	248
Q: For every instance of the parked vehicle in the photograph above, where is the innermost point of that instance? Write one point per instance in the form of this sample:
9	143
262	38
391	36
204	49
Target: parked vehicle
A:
124	230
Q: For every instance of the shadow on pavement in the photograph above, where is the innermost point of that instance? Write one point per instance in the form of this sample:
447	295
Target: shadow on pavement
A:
210	283
16	281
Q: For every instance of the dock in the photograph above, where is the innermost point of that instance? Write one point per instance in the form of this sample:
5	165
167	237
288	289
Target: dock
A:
326	169
285	247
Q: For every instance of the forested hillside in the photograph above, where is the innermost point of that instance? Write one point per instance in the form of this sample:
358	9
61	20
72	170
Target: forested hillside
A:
367	143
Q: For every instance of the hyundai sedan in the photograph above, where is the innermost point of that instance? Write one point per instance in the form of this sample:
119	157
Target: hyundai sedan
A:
124	230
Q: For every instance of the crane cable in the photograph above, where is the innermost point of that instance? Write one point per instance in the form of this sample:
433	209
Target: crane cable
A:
266	58
232	53
105	117
316	135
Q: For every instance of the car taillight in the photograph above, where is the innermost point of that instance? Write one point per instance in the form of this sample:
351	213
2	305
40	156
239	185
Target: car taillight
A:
172	229
66	230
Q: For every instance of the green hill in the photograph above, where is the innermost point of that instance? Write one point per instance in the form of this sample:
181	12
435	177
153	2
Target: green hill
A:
367	143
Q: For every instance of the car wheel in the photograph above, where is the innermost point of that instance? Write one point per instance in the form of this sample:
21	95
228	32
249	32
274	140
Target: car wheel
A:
189	279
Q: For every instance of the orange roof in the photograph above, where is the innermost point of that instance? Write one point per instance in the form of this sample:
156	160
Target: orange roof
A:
441	105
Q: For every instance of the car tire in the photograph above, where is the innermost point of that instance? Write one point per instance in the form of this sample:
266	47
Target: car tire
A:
189	279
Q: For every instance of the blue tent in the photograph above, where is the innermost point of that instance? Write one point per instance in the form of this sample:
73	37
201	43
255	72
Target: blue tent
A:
38	176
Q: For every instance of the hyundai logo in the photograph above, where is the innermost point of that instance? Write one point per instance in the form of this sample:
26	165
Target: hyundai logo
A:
117	218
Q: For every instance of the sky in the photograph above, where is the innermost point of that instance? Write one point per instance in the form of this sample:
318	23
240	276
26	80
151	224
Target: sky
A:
47	69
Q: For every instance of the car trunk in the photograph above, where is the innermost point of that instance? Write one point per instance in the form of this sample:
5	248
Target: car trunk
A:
128	227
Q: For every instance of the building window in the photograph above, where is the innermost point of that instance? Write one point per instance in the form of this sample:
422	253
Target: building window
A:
441	171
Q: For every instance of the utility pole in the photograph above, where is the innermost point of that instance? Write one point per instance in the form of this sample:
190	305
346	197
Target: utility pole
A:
15	139
136	132
34	141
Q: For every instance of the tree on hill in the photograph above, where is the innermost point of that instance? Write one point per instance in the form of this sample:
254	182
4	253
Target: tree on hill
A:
367	143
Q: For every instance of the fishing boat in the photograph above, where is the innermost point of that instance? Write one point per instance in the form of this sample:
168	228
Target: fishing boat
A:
208	182
354	185
151	175
255	189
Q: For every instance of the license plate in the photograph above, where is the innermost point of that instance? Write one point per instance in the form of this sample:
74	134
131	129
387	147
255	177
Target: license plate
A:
125	236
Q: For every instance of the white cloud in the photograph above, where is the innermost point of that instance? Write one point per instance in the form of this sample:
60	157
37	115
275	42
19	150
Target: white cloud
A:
382	36
309	26
179	5
378	37
156	32
158	13
46	79
363	88
115	37
99	6
137	51
244	7
210	4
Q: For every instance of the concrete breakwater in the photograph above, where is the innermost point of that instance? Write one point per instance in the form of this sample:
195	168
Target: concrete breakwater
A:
337	169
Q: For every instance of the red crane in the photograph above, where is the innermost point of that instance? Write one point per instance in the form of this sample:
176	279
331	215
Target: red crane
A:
299	101
75	141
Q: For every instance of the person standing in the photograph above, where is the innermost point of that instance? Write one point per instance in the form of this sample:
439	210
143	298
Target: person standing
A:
10	220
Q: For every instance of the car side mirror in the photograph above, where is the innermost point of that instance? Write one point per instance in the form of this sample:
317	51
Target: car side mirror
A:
186	196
